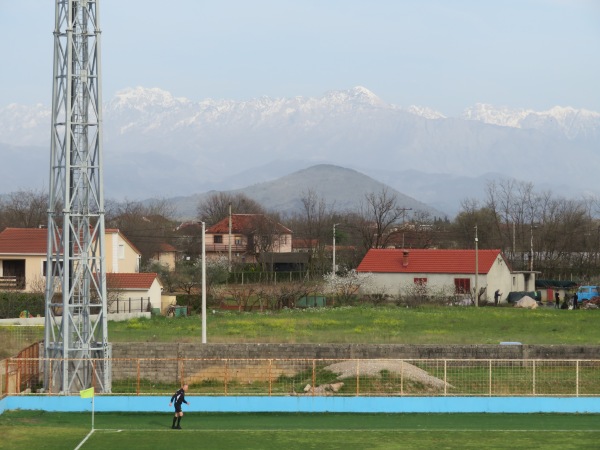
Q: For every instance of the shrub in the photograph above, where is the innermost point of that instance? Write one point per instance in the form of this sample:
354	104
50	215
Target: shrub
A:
13	303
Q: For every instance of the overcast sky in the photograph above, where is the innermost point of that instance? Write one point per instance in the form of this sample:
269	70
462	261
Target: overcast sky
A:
444	54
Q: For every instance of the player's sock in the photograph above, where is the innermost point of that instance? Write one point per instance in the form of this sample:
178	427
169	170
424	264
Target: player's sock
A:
178	422
174	420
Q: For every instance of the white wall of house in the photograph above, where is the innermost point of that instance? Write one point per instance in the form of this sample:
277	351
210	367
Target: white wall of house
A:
154	293
499	277
397	283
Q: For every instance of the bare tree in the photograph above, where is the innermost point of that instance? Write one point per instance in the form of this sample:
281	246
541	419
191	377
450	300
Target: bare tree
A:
146	225
378	214
216	206
561	235
265	236
24	209
314	226
245	297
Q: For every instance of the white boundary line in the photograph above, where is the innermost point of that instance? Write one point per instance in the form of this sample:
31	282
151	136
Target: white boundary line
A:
370	430
85	439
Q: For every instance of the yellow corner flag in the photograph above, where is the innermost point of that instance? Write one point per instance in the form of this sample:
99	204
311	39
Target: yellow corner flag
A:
87	393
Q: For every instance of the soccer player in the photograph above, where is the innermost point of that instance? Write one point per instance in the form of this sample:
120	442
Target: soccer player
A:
179	398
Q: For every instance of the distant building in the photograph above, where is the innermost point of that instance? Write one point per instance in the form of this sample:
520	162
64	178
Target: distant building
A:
395	269
23	257
129	292
167	255
251	235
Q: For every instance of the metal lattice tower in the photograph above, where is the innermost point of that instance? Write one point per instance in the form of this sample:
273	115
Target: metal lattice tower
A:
76	307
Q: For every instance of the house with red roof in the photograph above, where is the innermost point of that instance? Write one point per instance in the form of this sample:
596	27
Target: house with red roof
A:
132	292
250	235
23	257
167	255
395	271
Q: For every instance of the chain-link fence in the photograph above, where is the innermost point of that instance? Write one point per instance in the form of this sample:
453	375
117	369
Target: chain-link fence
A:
354	377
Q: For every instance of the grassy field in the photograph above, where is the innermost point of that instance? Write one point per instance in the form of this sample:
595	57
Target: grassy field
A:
358	324
365	324
42	430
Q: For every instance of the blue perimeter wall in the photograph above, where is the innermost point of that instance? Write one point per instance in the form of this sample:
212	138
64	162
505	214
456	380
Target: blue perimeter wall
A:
309	404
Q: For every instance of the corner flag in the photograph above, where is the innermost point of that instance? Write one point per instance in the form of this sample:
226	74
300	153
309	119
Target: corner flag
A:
87	393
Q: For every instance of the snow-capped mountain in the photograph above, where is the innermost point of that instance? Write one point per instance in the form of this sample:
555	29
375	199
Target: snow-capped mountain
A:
160	145
148	110
570	122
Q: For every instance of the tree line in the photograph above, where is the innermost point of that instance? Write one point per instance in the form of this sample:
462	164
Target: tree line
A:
537	230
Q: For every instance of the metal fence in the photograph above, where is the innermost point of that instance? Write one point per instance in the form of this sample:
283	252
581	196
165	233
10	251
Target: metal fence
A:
319	377
267	277
128	305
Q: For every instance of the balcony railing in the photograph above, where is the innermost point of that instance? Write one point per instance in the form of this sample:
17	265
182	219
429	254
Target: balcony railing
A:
12	282
223	248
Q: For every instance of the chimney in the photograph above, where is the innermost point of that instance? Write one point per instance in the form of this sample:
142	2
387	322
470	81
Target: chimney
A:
405	258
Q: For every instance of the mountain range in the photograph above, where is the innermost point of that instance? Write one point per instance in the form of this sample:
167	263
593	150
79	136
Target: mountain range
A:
156	145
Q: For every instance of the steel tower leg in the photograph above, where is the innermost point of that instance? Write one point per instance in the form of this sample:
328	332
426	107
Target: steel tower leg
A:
77	351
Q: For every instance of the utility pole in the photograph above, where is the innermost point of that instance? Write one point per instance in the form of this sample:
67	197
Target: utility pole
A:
403	220
203	283
333	271
531	250
77	352
476	268
229	247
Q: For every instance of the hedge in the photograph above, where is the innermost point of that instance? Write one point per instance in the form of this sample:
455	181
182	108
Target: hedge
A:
12	304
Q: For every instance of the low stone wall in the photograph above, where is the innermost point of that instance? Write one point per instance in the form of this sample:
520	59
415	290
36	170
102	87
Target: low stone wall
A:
170	362
352	351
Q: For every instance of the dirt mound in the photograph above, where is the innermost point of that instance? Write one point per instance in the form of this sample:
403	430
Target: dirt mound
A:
373	368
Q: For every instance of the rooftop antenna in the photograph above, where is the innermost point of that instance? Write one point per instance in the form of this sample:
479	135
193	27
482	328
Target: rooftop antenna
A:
77	352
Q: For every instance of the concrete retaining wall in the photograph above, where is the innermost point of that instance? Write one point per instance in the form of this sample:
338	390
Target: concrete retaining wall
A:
146	360
352	351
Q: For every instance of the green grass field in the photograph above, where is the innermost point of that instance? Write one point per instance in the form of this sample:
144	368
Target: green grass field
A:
359	324
373	325
42	430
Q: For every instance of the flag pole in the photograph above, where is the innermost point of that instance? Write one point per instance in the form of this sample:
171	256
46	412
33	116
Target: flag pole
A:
87	393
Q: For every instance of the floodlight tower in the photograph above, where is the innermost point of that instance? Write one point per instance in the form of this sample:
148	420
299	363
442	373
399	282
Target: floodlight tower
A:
77	352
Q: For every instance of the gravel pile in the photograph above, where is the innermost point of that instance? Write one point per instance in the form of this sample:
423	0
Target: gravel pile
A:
373	368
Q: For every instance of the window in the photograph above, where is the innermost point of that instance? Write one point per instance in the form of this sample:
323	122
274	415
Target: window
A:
420	281
462	285
218	239
60	267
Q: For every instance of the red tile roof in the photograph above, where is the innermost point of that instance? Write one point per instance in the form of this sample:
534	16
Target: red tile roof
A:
244	224
130	280
427	261
164	247
33	241
305	243
24	241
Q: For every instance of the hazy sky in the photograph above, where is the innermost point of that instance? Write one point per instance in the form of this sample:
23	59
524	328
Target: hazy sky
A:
445	54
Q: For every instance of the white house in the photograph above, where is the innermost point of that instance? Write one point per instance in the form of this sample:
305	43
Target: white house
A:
393	270
132	292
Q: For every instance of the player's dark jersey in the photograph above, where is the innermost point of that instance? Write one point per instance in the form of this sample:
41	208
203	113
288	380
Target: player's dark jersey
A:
179	397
